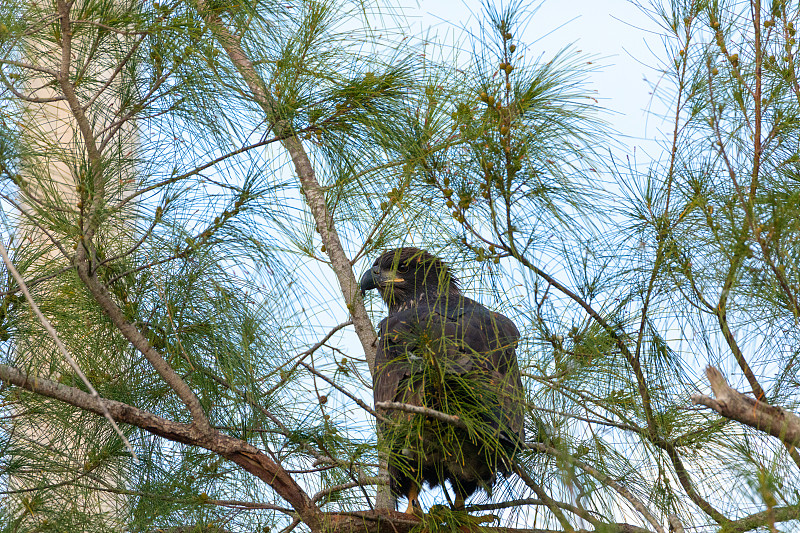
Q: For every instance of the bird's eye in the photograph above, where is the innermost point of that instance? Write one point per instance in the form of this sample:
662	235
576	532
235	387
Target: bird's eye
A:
402	268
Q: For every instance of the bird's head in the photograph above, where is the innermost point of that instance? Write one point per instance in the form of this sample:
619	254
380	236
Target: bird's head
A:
404	275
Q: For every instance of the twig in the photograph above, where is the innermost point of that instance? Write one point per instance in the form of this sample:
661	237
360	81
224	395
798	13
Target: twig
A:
344	486
196	170
586	515
349	395
420	410
290	527
302	355
32	219
242	505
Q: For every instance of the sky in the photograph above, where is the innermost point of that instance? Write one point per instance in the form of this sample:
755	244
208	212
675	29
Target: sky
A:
622	39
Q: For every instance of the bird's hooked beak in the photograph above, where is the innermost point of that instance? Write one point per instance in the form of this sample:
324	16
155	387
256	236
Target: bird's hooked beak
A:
373	279
370	280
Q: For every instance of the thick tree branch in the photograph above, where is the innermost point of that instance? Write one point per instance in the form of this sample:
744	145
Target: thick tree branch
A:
242	453
732	404
82	260
758	520
393	522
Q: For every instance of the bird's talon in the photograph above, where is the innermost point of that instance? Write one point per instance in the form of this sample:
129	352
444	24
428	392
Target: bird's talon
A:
414	508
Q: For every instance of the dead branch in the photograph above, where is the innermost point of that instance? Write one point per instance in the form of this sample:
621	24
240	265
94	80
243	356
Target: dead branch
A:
421	410
734	405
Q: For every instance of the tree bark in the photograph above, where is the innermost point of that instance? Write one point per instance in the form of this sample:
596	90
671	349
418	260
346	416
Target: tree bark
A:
734	405
395	522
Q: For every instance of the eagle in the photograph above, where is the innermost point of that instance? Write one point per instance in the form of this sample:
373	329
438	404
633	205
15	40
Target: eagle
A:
442	351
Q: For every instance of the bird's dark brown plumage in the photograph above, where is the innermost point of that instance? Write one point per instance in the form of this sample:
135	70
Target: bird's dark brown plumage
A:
442	350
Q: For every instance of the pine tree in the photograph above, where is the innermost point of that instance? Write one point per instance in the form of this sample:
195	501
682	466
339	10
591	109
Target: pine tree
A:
192	230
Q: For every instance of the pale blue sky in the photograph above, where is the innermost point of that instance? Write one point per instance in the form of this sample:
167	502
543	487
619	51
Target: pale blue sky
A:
620	36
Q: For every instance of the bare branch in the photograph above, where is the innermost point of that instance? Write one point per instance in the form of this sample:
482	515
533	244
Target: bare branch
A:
302	355
343	391
28	66
732	404
33	220
344	486
420	410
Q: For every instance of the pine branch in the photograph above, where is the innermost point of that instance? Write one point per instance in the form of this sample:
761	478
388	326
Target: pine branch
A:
314	194
240	452
652	434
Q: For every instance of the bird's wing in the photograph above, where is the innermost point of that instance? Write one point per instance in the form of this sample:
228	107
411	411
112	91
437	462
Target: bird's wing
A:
392	361
405	337
489	341
465	338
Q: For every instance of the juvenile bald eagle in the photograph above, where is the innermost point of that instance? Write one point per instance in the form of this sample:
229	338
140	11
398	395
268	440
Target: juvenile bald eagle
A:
441	350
